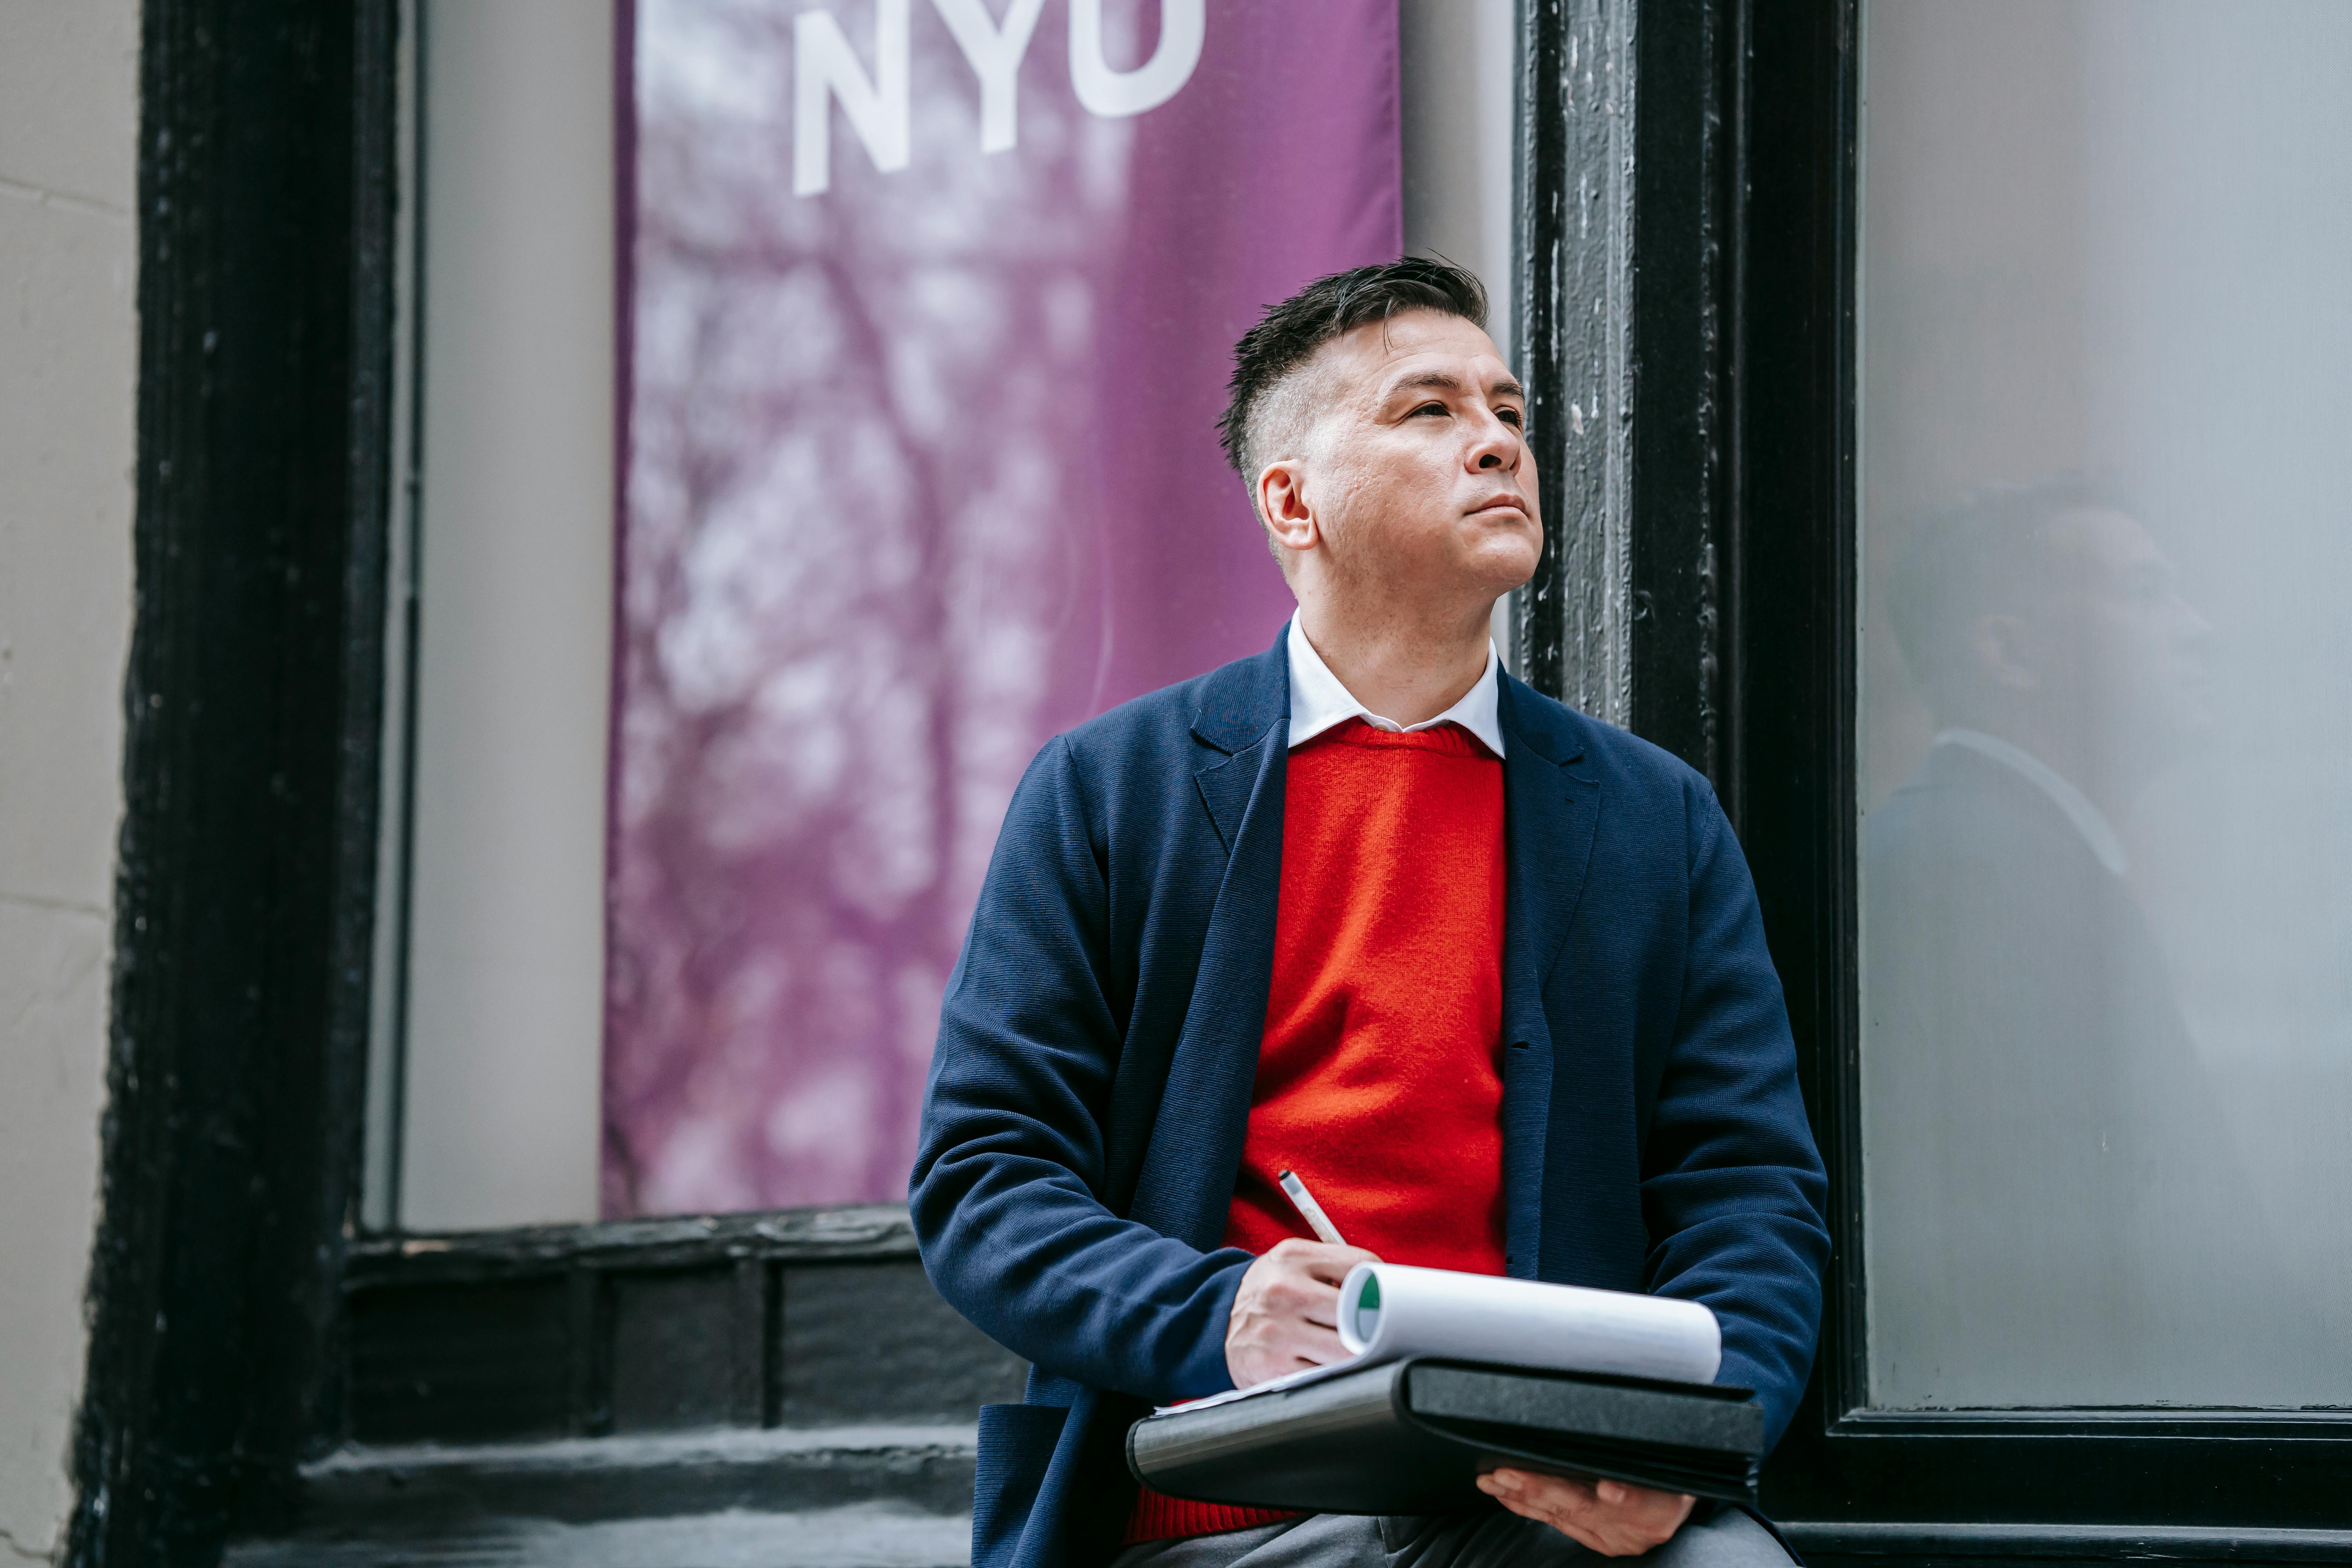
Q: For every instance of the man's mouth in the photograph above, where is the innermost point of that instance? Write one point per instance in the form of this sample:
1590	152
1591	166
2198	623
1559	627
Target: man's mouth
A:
1502	503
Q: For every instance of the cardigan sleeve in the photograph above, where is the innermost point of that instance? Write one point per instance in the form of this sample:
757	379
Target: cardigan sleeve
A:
1010	1160
1733	1189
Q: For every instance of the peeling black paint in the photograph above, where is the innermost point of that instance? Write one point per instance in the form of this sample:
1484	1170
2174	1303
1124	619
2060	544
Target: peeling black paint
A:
1573	283
1542	230
1686	174
1631	181
246	848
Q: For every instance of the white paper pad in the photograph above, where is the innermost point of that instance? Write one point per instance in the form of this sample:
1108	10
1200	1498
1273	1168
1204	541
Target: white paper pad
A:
1389	1311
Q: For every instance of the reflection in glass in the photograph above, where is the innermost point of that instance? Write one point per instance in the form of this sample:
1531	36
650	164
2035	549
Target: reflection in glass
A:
2106	767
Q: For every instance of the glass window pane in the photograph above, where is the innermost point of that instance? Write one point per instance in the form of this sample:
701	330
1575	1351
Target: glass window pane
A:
489	1115
2106	366
917	469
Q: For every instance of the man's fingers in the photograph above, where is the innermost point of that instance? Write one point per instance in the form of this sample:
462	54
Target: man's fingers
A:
1644	1499
1284	1318
1286	1314
1334	1262
1319	1259
1304	1281
1558	1491
1555	1500
1543	1508
1610	1517
1298	1292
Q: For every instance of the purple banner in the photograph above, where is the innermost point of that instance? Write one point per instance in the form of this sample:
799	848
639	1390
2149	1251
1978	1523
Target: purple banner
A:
929	312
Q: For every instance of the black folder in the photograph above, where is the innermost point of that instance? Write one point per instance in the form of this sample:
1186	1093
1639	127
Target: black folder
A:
1412	1436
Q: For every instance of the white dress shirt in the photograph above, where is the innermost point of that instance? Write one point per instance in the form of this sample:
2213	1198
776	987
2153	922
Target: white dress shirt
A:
2088	819
1317	700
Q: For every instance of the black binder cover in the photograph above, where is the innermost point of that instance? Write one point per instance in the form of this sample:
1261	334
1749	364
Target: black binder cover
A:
1412	1436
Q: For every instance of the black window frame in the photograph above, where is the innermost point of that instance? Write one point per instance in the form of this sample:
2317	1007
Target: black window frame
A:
1688	171
1739	433
245	866
245	1325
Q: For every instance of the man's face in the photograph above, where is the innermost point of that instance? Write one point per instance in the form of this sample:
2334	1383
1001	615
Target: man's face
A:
1418	476
2141	646
2107	651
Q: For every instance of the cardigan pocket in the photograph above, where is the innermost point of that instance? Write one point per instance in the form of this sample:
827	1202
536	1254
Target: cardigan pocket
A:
1017	1448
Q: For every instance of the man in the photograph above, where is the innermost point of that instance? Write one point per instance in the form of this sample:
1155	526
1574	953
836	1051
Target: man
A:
2065	1218
1488	974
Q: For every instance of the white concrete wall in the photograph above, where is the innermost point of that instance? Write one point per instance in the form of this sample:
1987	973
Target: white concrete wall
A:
68	255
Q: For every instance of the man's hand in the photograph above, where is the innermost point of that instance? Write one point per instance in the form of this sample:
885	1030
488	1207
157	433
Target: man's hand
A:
1286	1317
1612	1518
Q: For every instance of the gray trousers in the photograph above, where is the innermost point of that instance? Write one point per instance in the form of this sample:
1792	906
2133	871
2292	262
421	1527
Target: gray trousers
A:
1497	1540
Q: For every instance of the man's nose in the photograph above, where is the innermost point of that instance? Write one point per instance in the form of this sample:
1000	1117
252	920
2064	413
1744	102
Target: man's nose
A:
1497	447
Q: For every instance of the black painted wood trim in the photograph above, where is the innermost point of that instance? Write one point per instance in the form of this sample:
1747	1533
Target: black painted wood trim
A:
870	1231
1917	1544
1792	660
1574	275
818	1317
1686	174
247	846
1543	234
1632	188
1928	1486
389	1493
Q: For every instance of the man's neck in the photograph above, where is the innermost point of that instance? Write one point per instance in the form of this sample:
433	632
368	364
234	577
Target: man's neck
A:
2108	783
1408	672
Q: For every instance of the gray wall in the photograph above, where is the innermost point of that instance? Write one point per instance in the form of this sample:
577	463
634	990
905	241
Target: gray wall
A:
1459	90
69	263
506	1024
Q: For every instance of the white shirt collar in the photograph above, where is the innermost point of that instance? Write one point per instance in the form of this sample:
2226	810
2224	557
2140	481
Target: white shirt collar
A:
2088	819
1317	700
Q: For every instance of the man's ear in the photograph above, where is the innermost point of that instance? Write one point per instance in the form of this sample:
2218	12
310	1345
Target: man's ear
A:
1998	641
1282	501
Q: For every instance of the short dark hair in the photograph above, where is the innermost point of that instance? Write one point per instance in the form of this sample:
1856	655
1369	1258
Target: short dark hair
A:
1987	552
1287	335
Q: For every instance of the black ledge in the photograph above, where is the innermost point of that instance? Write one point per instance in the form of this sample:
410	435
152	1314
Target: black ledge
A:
865	1232
806	1318
386	1492
1825	1545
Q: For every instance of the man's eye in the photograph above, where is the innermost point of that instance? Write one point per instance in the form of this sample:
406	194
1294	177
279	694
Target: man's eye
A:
1430	408
1509	415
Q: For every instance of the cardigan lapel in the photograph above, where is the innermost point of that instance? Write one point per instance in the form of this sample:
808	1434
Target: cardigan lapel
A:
1549	814
1241	728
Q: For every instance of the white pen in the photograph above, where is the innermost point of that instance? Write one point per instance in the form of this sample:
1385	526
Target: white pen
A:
1304	1202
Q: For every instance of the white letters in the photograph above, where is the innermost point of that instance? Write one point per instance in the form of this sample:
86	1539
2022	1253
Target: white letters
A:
995	58
1109	93
825	67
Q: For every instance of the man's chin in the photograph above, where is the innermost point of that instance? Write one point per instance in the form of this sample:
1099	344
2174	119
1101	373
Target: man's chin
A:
1505	564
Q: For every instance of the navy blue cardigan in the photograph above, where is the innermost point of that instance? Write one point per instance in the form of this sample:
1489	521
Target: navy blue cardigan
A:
1083	1123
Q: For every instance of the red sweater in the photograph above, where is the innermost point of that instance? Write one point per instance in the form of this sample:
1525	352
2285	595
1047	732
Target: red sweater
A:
1380	1080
